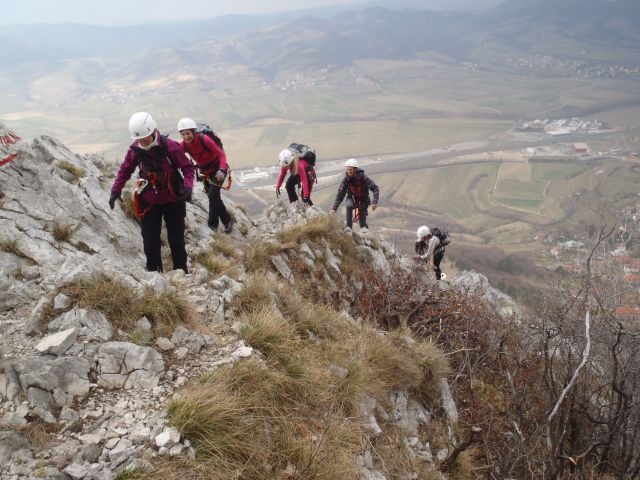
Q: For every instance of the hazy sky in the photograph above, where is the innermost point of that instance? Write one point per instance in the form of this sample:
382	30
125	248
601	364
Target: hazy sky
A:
103	12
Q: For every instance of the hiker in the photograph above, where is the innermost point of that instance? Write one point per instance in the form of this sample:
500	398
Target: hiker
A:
431	243
161	190
211	161
299	161
356	185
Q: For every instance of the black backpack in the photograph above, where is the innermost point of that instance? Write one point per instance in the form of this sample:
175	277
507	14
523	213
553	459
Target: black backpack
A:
305	152
443	234
205	129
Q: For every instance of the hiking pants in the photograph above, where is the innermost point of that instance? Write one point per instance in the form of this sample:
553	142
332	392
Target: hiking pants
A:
349	204
217	210
437	258
292	182
173	214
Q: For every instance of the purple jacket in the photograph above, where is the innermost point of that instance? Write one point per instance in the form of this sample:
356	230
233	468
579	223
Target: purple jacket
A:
156	161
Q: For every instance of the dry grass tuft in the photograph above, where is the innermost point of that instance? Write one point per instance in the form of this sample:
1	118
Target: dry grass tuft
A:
298	406
223	244
216	264
268	332
119	303
250	421
464	467
309	319
62	232
127	206
257	255
165	311
76	172
255	295
324	227
40	434
132	474
11	246
83	247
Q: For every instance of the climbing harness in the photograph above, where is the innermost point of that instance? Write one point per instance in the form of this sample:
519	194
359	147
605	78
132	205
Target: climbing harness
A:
141	186
206	179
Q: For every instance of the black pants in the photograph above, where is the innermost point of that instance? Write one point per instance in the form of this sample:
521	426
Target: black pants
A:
349	204
437	258
217	210
173	214
292	182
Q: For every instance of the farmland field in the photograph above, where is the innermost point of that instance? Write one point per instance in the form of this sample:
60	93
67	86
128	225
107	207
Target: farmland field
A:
493	198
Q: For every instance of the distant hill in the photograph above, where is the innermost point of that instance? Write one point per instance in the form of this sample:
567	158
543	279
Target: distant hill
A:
605	30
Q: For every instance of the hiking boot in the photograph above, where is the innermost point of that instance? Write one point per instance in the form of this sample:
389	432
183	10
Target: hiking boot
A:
228	228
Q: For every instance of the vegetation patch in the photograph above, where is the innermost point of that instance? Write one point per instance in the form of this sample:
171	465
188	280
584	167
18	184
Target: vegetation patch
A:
127	206
62	232
11	246
216	264
131	474
223	244
123	307
294	415
76	172
255	294
257	255
323	228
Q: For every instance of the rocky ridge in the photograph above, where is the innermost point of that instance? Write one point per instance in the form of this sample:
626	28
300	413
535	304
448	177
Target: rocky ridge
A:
78	397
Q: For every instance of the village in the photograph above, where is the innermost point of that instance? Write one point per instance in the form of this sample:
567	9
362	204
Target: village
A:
618	261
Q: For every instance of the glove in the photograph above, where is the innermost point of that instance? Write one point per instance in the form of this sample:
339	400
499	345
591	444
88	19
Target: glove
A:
307	201
220	176
278	192
113	198
332	211
184	195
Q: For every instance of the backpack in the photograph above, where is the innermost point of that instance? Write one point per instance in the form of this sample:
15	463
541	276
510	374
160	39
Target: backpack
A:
443	234
205	129
305	152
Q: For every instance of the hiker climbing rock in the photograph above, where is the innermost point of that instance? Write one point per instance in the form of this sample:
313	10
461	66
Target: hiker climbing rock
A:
161	190
356	186
431	243
299	160
211	163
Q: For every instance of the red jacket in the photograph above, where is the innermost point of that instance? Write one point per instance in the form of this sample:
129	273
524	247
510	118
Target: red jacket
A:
302	171
209	157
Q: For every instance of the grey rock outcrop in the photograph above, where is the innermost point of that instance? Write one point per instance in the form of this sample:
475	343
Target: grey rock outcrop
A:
14	447
474	283
125	365
90	323
47	381
57	343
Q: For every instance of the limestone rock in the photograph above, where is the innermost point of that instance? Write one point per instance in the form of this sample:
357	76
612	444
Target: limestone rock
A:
91	324
50	381
282	267
14	447
58	343
125	365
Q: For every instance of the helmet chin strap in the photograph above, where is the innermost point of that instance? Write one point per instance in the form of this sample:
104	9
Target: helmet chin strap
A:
152	144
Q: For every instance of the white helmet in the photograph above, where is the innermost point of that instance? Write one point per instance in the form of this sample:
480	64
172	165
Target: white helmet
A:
141	125
423	231
352	162
186	124
285	158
